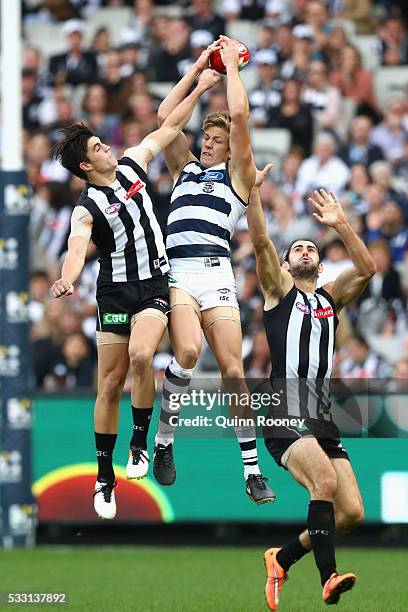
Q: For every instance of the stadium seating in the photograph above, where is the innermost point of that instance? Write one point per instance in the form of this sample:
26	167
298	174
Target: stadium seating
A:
270	145
390	82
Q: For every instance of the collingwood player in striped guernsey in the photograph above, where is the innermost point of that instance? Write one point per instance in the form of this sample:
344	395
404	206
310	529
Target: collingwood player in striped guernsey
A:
300	323
209	196
116	211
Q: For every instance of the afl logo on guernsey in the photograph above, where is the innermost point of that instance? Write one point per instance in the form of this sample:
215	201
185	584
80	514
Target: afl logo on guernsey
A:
112	209
303	307
212	175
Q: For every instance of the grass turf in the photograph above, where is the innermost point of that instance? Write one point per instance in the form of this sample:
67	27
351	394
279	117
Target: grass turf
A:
145	579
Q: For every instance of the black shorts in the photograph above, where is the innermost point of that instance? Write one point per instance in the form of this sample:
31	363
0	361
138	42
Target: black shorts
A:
279	439
118	302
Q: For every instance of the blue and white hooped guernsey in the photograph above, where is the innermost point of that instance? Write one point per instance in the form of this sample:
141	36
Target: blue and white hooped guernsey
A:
204	210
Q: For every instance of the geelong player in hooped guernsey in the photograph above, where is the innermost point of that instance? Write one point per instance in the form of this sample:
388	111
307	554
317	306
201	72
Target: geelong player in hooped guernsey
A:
116	211
209	196
300	323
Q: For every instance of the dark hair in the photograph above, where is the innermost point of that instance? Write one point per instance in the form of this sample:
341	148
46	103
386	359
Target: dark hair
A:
72	150
285	256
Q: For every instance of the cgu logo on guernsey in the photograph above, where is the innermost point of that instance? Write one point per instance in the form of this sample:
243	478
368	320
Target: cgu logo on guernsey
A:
115	318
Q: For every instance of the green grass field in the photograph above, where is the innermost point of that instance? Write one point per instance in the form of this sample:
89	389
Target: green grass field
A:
144	579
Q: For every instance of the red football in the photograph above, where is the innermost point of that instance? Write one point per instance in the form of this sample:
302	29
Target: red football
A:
217	64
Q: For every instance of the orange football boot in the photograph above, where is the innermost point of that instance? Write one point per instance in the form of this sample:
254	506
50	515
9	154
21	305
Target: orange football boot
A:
336	585
276	578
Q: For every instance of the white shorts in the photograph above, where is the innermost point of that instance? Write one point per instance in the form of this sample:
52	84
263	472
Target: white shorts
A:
209	280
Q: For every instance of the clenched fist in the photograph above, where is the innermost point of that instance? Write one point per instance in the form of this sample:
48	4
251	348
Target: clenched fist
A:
62	287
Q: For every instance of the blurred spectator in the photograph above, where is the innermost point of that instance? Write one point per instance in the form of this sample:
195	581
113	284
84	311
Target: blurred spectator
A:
323	168
131	58
401	371
294	116
363	362
335	261
139	27
390	134
164	62
75	367
297	66
355	82
393	229
317	20
285	226
95	113
381	174
286	179
64	117
75	66
394	43
354	196
335	43
114	83
258	362
254	9
39	292
283	42
204	18
199	41
39	164
266	94
265	35
386	282
359	149
31	99
101	45
324	99
53	238
143	109
381	307
360	13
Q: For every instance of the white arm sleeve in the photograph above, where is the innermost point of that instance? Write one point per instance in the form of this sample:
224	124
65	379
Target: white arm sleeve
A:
81	223
147	150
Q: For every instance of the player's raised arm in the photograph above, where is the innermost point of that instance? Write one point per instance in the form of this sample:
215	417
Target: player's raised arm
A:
350	283
275	282
243	169
81	230
177	153
151	146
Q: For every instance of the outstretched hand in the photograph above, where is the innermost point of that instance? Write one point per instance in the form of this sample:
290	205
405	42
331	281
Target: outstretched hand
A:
202	62
261	174
328	208
207	79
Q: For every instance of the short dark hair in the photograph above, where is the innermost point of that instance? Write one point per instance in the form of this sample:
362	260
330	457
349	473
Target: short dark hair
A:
285	256
73	148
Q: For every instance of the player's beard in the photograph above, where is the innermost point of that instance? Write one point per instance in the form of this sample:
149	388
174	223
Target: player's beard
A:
309	272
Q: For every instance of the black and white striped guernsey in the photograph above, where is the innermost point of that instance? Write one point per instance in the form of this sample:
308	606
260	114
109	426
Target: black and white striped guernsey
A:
125	228
301	332
204	210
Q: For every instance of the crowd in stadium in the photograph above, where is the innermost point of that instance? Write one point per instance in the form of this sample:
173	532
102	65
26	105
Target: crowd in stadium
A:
309	77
